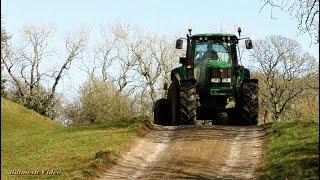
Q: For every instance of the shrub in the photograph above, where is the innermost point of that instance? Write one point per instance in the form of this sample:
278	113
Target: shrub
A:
99	101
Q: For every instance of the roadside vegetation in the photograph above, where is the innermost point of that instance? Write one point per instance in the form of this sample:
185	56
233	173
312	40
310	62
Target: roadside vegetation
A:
292	151
33	142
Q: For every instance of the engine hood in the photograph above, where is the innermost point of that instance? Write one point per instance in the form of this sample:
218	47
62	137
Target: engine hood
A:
218	64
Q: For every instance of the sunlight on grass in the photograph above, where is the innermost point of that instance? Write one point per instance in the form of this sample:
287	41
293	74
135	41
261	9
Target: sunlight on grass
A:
292	151
32	142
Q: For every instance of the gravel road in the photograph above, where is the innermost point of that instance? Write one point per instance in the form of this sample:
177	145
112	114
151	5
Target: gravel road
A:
192	152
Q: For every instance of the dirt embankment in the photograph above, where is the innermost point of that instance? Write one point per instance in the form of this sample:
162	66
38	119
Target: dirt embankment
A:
184	152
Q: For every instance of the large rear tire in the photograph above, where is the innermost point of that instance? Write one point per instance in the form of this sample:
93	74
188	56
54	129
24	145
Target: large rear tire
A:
188	103
249	104
162	112
174	96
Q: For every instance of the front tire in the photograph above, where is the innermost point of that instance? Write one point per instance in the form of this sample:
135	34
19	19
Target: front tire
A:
188	103
249	104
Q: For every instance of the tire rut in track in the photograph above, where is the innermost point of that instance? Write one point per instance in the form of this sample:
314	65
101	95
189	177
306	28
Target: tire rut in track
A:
215	152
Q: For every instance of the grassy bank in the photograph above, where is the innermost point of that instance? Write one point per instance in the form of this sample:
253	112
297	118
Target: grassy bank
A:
292	151
31	142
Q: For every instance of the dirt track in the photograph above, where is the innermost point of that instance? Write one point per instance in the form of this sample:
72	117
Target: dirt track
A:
189	152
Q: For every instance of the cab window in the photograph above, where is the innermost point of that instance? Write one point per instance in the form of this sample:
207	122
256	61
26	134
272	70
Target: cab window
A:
212	50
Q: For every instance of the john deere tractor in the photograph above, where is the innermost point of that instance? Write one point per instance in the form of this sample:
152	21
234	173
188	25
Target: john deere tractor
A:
209	80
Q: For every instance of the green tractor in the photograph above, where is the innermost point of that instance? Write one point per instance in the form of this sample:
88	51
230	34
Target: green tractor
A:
209	81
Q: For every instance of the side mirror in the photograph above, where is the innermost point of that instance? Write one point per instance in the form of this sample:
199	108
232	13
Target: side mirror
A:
248	43
182	60
179	44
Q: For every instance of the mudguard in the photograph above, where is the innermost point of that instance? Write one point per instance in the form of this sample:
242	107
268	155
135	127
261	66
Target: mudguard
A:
178	75
175	76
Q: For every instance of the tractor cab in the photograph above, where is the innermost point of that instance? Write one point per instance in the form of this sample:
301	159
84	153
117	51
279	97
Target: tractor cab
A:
214	58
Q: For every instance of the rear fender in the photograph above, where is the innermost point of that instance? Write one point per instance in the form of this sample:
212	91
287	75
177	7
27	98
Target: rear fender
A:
177	74
175	78
239	92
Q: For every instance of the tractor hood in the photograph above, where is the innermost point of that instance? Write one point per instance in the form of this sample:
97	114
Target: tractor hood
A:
216	64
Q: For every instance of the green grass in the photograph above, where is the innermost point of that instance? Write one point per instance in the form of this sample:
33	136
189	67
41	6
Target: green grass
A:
31	142
292	151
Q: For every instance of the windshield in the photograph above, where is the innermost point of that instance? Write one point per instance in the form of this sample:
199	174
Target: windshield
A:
212	50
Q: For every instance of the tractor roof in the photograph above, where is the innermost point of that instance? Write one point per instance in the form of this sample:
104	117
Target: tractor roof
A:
214	35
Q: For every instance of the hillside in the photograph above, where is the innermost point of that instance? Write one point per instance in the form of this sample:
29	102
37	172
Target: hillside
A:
292	151
31	142
19	120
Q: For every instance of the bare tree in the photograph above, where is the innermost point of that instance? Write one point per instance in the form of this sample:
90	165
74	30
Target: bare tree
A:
129	43
169	57
284	69
135	62
126	48
75	44
4	35
115	54
305	11
24	65
155	62
4	43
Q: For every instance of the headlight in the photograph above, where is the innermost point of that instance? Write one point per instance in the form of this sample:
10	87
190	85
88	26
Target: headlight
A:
215	80
226	80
